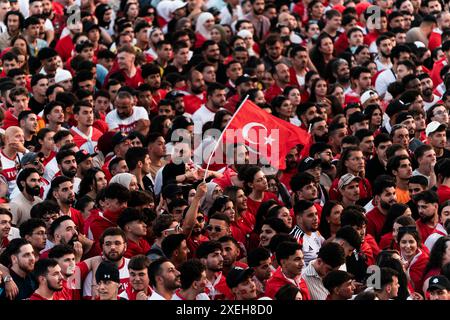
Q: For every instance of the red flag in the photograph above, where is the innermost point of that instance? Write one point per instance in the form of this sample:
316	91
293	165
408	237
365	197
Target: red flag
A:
268	136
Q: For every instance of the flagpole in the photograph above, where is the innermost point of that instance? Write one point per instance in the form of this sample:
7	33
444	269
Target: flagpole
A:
221	136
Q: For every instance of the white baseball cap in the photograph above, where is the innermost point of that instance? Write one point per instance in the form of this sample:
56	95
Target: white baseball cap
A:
433	126
367	95
62	75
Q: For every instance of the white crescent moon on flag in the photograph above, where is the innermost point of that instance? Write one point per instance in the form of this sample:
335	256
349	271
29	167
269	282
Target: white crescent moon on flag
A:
247	128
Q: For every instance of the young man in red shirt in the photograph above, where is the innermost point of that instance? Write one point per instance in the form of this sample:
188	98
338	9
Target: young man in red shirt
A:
210	254
427	205
84	134
48	274
139	286
384	198
116	197
132	222
290	259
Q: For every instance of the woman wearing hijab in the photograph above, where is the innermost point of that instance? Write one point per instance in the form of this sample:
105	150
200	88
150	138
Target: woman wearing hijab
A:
203	27
126	179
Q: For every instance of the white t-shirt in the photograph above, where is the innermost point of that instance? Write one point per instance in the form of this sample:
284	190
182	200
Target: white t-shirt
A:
10	169
384	79
124	276
428	105
128	124
200	117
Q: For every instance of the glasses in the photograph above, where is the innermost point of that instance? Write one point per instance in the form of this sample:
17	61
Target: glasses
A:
210	228
200	219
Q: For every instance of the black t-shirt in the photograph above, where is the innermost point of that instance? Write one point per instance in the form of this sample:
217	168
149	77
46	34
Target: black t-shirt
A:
25	285
35	106
374	168
446	154
32	144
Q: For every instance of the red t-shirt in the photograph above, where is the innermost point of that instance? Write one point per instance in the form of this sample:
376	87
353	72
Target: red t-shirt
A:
365	190
192	103
10	120
133	248
193	244
424	230
443	193
375	222
272	92
64	47
278	280
253	206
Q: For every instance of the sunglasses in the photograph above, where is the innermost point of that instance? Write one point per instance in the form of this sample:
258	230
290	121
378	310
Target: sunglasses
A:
210	228
200	219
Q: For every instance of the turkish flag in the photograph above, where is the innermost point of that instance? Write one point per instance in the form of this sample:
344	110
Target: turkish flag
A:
269	137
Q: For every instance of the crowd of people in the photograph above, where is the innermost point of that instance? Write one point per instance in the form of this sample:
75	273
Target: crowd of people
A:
105	113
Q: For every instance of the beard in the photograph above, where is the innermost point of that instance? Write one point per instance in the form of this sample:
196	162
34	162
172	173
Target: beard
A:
114	258
52	288
385	205
344	79
197	90
35	191
384	55
426	219
71	173
323	138
427	92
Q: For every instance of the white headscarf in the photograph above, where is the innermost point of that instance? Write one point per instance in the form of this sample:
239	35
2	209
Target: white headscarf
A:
208	201
199	25
164	10
123	179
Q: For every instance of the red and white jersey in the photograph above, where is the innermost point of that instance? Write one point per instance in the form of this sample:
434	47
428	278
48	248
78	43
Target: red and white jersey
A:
86	142
10	169
128	124
51	169
124	280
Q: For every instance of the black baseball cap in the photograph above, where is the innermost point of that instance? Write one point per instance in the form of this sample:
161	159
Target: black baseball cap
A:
174	94
238	275
118	138
309	163
439	283
82	155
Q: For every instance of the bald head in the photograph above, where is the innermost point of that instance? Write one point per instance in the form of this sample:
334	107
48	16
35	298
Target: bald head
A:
14	135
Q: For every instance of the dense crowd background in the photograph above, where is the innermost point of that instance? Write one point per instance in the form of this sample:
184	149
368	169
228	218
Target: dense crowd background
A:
106	115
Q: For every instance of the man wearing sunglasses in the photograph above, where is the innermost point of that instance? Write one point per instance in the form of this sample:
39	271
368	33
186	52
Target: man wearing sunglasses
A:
218	227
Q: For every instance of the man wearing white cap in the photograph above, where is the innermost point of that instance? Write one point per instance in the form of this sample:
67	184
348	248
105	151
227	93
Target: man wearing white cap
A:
437	138
369	97
348	186
64	79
